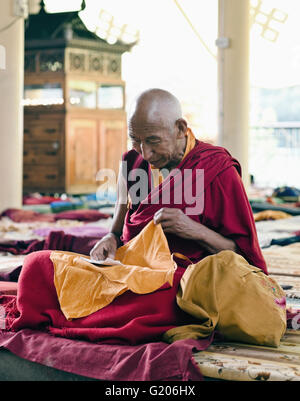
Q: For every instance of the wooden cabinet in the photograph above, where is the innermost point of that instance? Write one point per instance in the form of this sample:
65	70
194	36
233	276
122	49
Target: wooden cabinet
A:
93	145
43	155
64	154
74	105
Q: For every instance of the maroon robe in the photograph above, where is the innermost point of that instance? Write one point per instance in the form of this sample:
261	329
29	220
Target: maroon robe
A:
135	318
226	206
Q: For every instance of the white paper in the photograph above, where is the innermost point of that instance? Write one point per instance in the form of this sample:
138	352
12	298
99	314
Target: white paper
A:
105	262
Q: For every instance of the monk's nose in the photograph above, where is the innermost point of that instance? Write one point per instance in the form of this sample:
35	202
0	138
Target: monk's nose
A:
146	152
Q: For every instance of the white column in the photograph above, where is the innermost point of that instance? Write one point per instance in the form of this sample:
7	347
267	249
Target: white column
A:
34	6
233	79
11	110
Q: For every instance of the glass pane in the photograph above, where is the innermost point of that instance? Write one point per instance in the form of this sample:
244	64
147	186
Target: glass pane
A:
82	94
43	95
110	97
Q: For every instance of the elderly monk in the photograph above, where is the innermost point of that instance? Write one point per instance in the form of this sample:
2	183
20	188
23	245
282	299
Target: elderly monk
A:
162	142
60	293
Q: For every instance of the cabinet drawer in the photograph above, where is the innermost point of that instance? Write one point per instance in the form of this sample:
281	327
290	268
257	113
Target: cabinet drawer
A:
42	153
44	131
44	177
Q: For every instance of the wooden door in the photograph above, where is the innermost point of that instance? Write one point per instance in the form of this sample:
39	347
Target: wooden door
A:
112	144
82	155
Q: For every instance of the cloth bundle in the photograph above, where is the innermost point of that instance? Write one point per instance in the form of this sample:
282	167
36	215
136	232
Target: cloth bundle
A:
225	293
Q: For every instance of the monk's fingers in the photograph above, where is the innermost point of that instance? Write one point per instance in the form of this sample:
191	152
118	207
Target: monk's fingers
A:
99	252
160	218
111	255
157	218
168	225
165	214
96	255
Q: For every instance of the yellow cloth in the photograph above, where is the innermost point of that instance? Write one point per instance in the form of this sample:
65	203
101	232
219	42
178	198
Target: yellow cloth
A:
271	215
83	288
190	144
225	293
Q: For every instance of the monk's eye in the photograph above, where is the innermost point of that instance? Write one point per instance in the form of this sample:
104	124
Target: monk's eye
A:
135	140
153	141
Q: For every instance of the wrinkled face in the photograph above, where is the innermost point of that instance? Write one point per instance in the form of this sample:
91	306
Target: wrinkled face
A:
159	145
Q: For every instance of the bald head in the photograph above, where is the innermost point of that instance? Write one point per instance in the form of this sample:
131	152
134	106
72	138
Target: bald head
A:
156	106
157	129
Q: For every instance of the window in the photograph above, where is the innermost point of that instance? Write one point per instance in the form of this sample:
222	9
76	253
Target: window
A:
43	94
82	94
110	97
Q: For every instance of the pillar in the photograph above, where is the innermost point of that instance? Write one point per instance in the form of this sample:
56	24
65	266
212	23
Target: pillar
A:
11	110
233	80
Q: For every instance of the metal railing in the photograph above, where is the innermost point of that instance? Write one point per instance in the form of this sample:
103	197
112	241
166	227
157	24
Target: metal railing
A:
274	157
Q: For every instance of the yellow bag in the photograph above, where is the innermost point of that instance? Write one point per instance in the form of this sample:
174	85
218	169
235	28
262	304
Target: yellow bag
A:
228	295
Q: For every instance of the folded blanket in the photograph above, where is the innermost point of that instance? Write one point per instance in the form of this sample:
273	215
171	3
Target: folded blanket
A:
81	215
81	231
39	200
56	240
22	247
10	267
8	288
22	216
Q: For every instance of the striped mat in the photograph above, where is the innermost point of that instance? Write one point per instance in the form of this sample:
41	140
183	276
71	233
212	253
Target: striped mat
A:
283	264
244	362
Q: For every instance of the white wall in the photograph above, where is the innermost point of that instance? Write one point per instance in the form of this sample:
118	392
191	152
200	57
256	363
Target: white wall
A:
11	110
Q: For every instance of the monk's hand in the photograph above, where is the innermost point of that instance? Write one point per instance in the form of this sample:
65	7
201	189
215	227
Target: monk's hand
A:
174	221
105	248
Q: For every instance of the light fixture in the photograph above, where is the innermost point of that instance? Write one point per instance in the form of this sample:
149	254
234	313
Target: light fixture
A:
112	30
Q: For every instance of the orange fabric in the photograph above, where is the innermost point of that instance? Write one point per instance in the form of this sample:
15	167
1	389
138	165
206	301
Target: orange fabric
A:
83	288
190	144
225	293
271	215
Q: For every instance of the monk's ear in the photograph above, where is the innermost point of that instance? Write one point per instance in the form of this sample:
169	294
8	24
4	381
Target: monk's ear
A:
181	124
